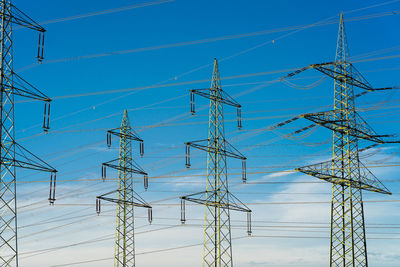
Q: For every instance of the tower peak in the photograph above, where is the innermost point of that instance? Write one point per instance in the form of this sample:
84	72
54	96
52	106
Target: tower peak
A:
342	50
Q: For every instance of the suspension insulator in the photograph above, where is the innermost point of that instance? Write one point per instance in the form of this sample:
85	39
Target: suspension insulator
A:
108	139
192	106
103	172
239	118
187	164
183	212
141	148
244	173
52	194
249	223
98	206
46	117
150	215
146	182
40	52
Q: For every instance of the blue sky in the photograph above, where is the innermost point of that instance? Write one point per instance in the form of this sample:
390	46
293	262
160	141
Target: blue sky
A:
288	234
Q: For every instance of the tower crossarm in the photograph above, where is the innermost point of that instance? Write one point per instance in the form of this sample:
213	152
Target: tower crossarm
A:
134	168
332	69
220	97
128	134
208	198
136	201
13	15
225	148
23	88
329	120
223	97
18	17
329	171
27	160
131	135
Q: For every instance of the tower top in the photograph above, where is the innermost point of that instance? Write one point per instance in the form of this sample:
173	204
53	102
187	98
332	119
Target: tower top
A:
125	119
342	50
216	81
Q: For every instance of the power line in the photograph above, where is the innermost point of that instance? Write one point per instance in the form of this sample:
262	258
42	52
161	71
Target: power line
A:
215	39
104	12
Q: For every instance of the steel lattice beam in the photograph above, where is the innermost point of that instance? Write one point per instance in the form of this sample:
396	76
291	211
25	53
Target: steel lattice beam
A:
125	197
13	155
345	171
218	201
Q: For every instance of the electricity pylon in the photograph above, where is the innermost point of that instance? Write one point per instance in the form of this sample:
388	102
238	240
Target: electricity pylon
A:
217	250
12	154
126	198
348	246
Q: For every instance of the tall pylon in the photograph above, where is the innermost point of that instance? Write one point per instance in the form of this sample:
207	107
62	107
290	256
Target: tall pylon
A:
126	198
217	249
348	246
12	154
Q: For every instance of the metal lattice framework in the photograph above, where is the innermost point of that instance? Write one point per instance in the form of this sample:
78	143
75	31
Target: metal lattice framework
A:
12	154
217	250
347	174
125	197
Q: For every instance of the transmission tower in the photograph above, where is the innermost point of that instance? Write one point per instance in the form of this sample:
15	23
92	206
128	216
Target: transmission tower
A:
217	250
126	199
348	246
12	154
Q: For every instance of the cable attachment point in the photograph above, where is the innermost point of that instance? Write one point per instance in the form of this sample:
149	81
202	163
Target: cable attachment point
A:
192	106
187	155
52	195
46	116
40	51
183	211
239	118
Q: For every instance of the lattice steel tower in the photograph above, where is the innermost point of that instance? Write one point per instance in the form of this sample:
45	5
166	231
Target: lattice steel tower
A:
126	198
12	154
345	171
217	250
